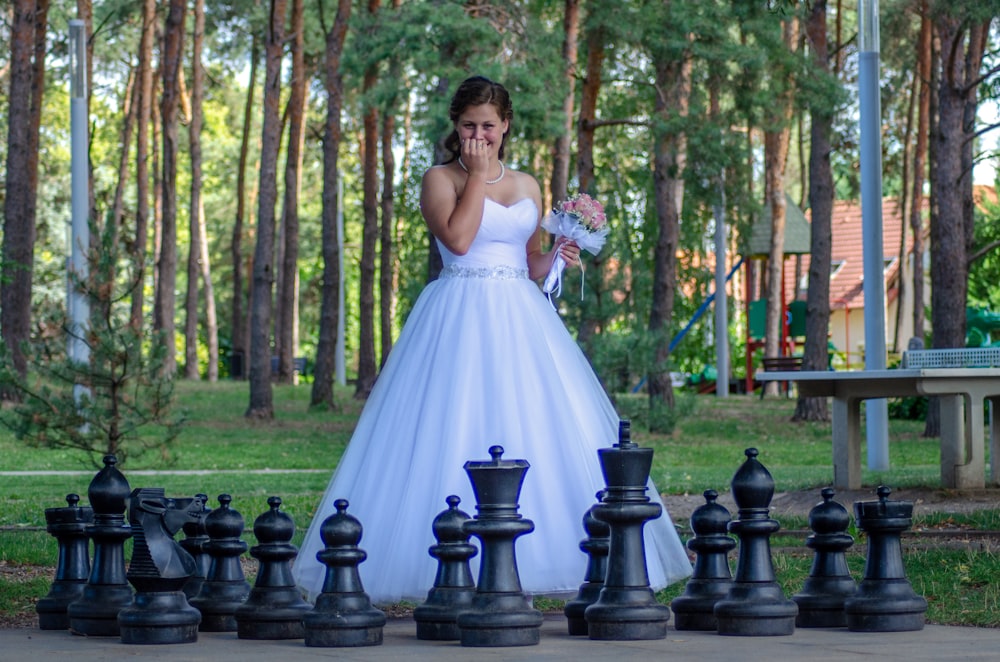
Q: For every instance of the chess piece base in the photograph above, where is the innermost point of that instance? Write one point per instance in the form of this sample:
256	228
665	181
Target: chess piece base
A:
159	618
96	613
887	605
499	619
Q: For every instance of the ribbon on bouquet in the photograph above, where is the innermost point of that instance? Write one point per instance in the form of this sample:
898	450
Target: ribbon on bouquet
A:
568	227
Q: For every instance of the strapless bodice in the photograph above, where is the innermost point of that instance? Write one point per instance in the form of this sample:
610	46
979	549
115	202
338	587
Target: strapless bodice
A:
501	239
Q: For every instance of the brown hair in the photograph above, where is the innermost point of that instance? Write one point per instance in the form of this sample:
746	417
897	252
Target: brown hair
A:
476	91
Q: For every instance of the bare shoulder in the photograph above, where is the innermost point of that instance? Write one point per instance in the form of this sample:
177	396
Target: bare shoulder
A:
527	186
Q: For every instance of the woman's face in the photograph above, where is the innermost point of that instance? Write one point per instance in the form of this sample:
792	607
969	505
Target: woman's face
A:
482	123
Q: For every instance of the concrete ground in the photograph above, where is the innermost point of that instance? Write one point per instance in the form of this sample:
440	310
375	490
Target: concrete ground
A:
934	642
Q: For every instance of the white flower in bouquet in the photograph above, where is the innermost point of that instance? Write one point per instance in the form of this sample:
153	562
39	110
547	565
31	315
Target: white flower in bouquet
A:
580	219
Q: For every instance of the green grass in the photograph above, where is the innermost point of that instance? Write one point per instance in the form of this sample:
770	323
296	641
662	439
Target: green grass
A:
704	450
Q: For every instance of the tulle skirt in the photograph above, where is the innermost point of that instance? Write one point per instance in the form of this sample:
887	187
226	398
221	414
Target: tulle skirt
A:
481	361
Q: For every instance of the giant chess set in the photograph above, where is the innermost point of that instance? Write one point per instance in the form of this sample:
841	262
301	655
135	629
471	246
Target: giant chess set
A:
172	590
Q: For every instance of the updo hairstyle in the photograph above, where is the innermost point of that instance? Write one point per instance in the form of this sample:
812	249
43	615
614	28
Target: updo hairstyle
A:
476	91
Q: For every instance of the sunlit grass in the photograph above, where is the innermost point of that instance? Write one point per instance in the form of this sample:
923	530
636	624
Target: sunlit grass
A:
293	455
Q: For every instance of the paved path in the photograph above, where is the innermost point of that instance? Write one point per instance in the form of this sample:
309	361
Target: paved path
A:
934	642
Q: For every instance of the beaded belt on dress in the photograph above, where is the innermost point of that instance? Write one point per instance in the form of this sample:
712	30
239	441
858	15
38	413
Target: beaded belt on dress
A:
498	272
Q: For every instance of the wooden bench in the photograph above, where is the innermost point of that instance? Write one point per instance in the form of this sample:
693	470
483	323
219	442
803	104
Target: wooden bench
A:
781	364
299	364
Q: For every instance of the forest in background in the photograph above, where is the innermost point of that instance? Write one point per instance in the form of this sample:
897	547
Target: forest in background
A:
226	137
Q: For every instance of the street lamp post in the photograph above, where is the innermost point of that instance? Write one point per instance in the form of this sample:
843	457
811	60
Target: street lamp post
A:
876	411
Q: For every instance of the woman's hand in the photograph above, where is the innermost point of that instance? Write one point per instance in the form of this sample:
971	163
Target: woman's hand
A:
476	157
569	252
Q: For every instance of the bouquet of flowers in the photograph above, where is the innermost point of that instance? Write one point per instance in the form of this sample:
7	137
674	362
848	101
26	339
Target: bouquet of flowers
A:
580	219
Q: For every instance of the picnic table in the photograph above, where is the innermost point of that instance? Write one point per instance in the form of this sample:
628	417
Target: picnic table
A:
963	433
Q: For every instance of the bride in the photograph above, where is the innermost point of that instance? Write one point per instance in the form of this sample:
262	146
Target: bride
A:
482	360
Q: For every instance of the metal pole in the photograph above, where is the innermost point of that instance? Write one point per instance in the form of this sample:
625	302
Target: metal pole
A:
876	411
339	361
77	303
721	300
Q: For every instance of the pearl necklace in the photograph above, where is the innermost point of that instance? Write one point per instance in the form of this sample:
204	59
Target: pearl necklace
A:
503	171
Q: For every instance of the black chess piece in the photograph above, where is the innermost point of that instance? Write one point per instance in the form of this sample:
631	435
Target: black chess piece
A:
595	546
225	587
626	609
453	588
274	608
158	570
343	615
500	614
193	543
885	601
95	613
829	585
755	604
68	526
711	579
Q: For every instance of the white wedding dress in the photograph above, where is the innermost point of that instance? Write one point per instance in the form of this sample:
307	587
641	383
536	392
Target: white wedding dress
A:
482	360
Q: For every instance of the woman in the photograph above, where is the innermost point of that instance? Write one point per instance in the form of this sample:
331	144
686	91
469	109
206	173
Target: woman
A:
482	360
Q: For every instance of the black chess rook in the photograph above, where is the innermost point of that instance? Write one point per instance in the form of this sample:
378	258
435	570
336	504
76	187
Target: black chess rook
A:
68	525
885	600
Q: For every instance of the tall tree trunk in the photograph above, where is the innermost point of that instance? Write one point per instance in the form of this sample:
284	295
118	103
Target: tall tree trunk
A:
369	234
145	86
164	303
211	316
288	293
195	220
916	220
962	47
21	183
117	214
157	194
776	140
585	143
815	355
386	274
322	389
673	98
261	397
238	317
561	149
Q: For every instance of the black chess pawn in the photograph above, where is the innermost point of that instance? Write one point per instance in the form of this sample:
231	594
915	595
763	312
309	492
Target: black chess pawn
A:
68	526
343	615
95	613
755	604
225	587
193	543
453	588
595	546
626	609
275	607
500	614
829	585
711	579
885	601
159	568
